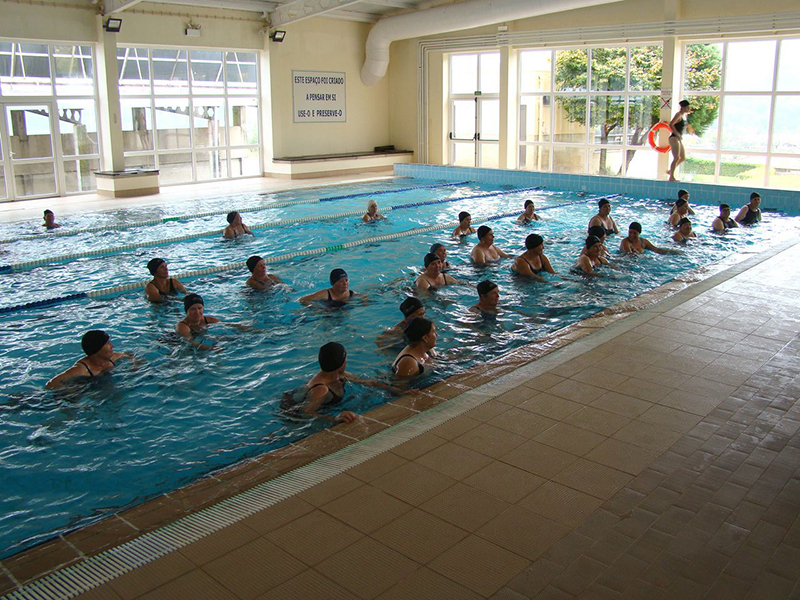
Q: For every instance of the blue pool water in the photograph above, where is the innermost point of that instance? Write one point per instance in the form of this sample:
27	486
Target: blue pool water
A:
71	457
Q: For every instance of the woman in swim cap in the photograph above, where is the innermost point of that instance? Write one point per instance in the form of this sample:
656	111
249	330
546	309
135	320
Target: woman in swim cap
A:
681	212
591	256
684	232
411	308
432	277
529	215
195	323
412	360
488	298
259	278
336	296
100	359
533	262
440	251
162	286
603	217
372	213
235	227
50	220
636	244
464	225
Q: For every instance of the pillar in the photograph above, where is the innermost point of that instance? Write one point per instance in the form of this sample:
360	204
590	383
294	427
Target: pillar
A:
112	156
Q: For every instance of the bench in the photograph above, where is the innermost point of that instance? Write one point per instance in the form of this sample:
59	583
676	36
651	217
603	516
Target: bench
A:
127	183
321	165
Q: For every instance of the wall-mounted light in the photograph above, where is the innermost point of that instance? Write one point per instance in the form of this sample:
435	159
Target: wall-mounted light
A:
112	25
278	35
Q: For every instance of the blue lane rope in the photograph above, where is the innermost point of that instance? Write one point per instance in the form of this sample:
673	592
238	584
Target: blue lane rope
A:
122	226
23	266
275	259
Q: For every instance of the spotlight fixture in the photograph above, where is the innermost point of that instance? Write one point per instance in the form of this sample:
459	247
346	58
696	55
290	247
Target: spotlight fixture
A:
112	25
278	35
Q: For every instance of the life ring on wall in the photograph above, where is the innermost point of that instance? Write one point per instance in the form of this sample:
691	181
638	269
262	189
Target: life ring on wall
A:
651	137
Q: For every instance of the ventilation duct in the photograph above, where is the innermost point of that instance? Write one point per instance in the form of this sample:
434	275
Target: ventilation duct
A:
453	17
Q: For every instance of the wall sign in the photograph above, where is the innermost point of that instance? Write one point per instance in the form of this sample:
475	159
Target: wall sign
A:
318	97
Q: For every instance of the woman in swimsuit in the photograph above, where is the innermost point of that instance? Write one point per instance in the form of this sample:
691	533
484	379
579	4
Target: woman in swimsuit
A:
50	220
684	232
636	244
100	359
411	361
488	298
676	126
529	214
723	222
750	214
603	218
432	277
681	212
532	262
411	308
591	256
464	225
195	323
335	296
372	213
260	279
163	286
440	251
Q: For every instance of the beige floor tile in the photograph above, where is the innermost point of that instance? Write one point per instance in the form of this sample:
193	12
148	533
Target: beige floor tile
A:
561	504
454	460
454	427
413	483
104	592
539	459
479	565
592	478
314	537
622	456
712	389
218	543
523	532
419	535
144	579
367	568
522	422
723	375
596	420
490	440
382	464
465	507
600	377
673	419
424	584
487	410
552	407
700	356
624	366
577	391
309	585
544	381
662	376
504	481
620	404
643	390
517	396
418	446
278	515
570	439
690	402
195	584
254	569
333	488
647	435
366	508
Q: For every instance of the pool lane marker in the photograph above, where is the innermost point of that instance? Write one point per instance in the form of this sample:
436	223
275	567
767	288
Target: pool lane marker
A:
275	259
121	226
24	266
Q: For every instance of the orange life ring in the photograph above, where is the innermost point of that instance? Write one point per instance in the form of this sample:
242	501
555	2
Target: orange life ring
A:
651	137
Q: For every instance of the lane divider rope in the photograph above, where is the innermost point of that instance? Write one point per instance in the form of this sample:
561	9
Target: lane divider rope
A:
122	226
30	264
273	259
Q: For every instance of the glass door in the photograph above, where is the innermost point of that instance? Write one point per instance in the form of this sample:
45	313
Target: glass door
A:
487	136
30	150
463	132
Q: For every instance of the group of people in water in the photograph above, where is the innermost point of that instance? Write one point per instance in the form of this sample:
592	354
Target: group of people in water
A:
326	388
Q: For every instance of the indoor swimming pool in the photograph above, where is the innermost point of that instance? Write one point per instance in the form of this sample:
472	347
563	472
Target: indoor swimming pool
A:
176	413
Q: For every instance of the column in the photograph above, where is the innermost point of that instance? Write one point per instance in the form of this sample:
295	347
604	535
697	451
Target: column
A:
113	158
265	101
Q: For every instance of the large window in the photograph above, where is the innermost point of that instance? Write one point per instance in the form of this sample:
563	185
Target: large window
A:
746	112
49	142
588	110
192	114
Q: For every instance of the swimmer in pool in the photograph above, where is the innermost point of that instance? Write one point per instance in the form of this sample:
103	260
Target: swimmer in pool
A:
529	215
432	278
676	126
163	286
411	308
440	251
235	227
326	388
335	296
100	359
750	214
259	278
636	244
532	262
488	298
50	220
681	212
684	232
372	213
682	195
724	222
195	323
603	217
413	359
600	233
485	251
464	225
591	256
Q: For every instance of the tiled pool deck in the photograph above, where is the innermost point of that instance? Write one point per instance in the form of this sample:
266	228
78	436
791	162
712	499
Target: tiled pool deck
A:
650	452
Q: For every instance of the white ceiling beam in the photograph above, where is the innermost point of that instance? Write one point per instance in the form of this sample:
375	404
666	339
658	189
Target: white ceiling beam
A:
249	5
115	6
391	3
349	15
291	12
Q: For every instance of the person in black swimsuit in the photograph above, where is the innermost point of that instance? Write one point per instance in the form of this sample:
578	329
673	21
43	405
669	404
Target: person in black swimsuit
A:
432	277
50	220
100	359
488	298
259	278
411	308
532	262
603	217
681	212
335	296
676	126
636	244
529	215
464	225
682	195
235	227
195	323
440	251
411	361
750	214
599	232
163	286
723	222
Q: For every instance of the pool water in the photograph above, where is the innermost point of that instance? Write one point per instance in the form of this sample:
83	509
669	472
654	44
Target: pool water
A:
71	457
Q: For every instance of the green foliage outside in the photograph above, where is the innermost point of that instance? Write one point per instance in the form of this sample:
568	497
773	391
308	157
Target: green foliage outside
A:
726	169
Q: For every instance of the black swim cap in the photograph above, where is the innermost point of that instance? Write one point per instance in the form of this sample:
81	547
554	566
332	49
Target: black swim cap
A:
190	300
591	241
482	231
47	211
331	357
484	287
252	262
231	216
93	341
682	193
597	231
338	275
153	265
463	215
680	202
410	305
635	226
684	103
528	203
724	206
431	257
534	240
435	247
683	222
418	329
603	202
755	195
